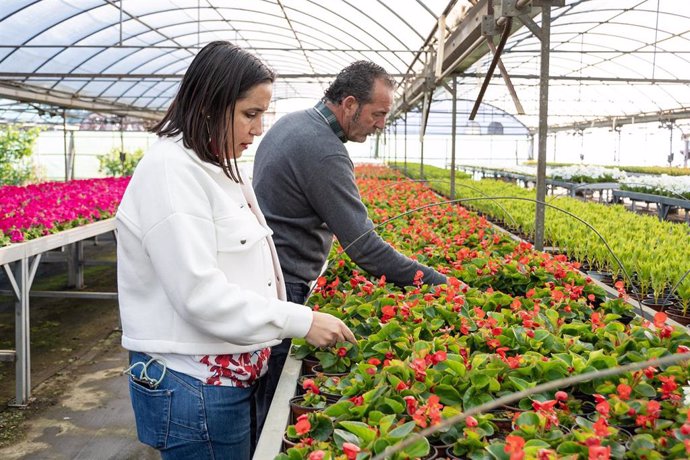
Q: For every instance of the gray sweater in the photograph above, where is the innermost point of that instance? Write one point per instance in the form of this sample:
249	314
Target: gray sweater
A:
305	184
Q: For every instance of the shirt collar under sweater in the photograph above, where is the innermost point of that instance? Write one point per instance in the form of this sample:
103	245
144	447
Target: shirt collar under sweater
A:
329	116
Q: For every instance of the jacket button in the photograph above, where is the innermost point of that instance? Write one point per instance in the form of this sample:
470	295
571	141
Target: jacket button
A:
243	241
241	206
270	283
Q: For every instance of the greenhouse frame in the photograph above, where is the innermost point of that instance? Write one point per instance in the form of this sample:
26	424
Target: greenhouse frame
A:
535	155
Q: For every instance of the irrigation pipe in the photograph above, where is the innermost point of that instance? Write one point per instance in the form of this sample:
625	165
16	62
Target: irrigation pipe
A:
445	181
676	286
548	386
492	198
678	195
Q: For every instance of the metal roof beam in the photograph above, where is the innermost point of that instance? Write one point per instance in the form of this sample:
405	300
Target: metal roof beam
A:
72	102
616	121
679	81
463	47
196	48
147	76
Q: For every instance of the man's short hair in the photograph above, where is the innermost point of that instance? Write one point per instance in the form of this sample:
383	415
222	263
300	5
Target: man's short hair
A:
357	80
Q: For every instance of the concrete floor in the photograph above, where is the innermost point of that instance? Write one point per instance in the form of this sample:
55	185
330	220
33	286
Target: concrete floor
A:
91	419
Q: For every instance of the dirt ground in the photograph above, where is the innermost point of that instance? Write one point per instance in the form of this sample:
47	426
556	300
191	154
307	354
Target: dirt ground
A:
65	334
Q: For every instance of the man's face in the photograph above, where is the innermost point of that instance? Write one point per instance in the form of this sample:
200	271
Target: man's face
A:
364	119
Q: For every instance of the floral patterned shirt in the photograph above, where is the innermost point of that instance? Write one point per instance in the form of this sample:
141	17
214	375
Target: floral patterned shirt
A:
236	370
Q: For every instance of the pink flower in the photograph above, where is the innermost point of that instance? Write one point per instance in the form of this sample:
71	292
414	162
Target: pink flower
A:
599	453
302	426
309	385
624	391
561	395
317	455
350	450
515	447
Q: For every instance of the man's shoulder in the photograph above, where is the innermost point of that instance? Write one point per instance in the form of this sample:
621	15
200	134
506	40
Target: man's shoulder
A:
299	116
304	130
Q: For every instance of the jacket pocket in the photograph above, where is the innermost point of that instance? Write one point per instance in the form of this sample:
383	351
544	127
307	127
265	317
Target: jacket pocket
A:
151	413
239	233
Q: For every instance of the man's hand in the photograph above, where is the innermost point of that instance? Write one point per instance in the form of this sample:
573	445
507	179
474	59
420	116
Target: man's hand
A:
327	330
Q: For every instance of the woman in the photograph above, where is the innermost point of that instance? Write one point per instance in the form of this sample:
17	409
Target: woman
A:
199	282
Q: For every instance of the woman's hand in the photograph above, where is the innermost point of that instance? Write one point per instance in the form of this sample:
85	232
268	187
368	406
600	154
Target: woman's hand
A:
327	330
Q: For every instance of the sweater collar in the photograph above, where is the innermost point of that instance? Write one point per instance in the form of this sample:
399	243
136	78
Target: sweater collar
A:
329	117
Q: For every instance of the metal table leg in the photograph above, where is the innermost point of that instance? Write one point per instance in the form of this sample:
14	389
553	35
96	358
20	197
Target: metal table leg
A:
21	276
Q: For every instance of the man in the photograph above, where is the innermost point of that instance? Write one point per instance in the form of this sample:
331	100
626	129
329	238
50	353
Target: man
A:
305	184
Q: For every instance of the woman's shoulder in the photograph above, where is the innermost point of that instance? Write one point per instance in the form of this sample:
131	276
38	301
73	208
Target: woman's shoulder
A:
168	155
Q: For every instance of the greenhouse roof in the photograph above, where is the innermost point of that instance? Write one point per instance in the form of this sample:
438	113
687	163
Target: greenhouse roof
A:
609	58
129	55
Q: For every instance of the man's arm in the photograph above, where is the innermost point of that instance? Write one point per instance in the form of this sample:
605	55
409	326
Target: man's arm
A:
333	194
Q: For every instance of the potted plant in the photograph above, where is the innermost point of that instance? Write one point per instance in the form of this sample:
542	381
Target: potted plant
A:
310	401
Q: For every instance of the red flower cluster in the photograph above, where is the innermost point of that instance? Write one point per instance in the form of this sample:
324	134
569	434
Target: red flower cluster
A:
426	414
40	209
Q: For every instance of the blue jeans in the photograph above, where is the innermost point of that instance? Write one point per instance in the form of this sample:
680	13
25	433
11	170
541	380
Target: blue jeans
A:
297	293
186	419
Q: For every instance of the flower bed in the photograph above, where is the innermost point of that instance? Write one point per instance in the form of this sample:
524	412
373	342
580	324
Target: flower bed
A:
586	174
427	353
654	253
669	183
675	187
41	209
570	173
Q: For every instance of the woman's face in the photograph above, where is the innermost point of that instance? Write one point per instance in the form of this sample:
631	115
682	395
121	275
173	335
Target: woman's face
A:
248	118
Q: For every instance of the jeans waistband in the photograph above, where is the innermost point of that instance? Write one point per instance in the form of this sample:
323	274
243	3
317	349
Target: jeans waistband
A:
157	372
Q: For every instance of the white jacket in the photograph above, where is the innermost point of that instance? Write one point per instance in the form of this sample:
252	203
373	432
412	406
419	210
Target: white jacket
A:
197	269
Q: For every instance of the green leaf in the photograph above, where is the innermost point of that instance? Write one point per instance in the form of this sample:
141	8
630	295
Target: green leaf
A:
323	429
498	451
418	448
341	436
457	367
646	390
540	335
527	419
385	423
566	358
449	395
364	310
395	406
642	441
570	447
470	399
359	429
339	409
656	352
326	359
521	384
494	385
538	443
479	381
402	430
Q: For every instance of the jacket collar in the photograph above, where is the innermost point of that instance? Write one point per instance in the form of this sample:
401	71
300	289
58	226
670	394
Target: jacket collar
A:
208	166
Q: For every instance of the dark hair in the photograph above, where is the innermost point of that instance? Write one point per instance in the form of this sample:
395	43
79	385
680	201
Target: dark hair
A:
220	74
357	80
